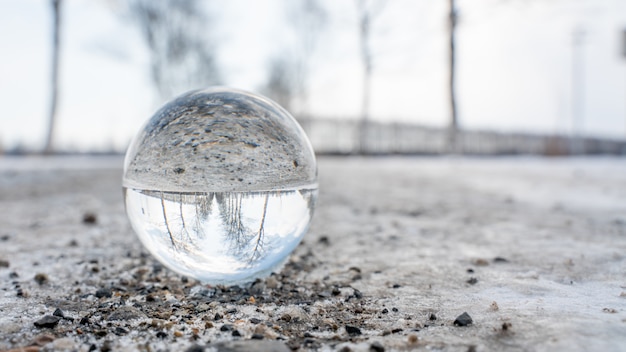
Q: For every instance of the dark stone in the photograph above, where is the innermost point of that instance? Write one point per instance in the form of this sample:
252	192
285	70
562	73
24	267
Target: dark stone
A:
48	321
385	311
432	316
396	286
226	327
394	309
195	348
104	292
377	347
217	317
255	320
161	335
41	278
470	271
257	337
500	260
395	331
13	275
120	331
324	240
353	330
463	320
179	170
90	218
236	333
58	313
472	281
4	263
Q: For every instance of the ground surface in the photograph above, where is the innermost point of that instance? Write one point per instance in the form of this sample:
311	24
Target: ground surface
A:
534	250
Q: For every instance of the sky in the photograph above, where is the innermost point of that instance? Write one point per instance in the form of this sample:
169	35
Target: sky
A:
515	66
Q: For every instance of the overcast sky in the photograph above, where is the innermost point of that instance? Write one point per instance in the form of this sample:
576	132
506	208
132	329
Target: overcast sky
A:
514	56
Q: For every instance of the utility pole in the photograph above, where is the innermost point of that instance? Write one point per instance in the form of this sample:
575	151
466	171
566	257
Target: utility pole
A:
54	80
454	122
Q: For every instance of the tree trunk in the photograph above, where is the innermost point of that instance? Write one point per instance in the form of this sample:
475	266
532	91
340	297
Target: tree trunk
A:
454	123
54	80
366	58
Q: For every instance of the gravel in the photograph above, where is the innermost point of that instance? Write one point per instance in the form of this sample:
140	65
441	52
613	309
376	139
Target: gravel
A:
531	249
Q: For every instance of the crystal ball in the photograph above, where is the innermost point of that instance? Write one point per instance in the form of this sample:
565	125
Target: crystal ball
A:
220	185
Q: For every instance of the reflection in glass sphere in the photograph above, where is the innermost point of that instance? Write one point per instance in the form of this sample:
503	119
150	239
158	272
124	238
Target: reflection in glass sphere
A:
220	185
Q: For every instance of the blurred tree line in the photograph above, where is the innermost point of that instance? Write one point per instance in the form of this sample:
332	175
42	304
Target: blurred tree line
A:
182	52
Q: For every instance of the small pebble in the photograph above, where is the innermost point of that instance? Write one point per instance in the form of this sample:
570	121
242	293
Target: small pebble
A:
120	331
377	347
58	313
353	330
226	327
432	316
161	335
104	292
481	262
195	348
41	278
500	260
178	333
472	281
257	337
48	321
413	339
90	218
463	320
4	263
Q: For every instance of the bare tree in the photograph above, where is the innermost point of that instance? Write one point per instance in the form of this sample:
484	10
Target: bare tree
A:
280	82
454	123
308	18
54	79
290	70
367	12
182	55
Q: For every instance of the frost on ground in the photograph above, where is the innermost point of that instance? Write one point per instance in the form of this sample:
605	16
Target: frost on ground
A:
533	250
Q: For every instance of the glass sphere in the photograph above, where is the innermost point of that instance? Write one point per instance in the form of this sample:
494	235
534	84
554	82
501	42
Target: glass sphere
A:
220	185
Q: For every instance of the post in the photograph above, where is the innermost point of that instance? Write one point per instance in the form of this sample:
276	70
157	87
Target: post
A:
454	123
54	79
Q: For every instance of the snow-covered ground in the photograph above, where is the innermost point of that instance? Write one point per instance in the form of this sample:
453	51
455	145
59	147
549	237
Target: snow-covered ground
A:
533	249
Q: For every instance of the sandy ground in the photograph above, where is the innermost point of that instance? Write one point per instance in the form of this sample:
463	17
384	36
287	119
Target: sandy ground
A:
533	250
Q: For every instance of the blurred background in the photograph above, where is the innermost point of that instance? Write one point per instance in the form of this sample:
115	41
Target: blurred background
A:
362	76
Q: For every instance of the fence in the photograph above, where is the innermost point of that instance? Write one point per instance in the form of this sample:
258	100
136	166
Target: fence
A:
341	136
